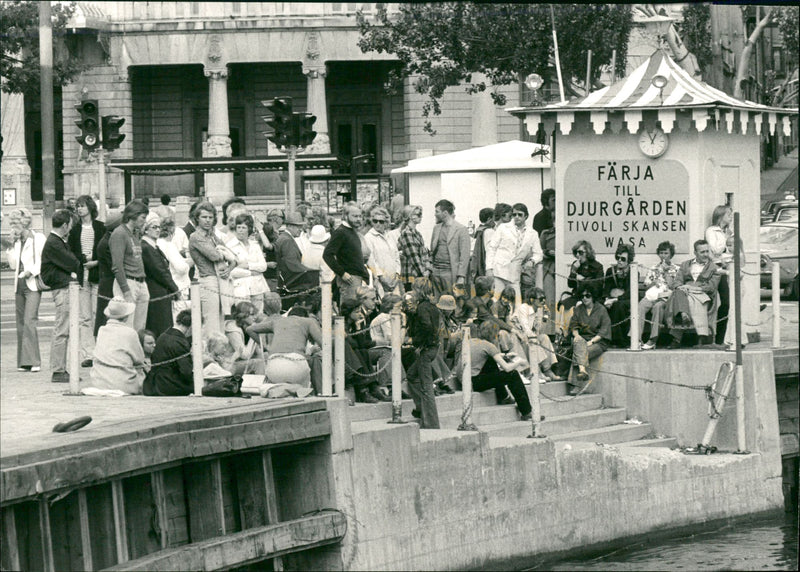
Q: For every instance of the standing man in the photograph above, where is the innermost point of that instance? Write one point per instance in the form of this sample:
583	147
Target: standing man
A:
344	256
450	250
483	235
292	272
384	260
59	265
83	240
512	244
545	218
126	261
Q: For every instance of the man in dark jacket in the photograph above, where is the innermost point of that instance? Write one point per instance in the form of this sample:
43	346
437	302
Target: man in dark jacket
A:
83	240
344	255
171	372
59	266
295	276
423	328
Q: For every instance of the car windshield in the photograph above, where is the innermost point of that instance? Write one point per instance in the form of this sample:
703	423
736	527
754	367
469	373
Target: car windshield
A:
787	214
778	234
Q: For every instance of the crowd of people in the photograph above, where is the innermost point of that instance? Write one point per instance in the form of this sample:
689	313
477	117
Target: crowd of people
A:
260	296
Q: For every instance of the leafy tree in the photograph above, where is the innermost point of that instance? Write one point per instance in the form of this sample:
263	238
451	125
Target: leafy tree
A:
19	46
695	29
787	19
442	44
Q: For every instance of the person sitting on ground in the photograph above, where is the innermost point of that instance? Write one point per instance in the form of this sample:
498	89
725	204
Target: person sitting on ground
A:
693	304
659	283
247	357
505	310
617	293
381	334
584	270
287	360
359	342
591	332
491	369
423	327
218	357
529	327
479	308
148	341
171	373
118	360
368	299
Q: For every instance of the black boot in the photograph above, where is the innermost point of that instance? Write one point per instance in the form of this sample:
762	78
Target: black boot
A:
363	395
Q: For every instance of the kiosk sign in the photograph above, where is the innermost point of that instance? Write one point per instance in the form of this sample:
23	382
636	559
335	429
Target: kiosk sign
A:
641	203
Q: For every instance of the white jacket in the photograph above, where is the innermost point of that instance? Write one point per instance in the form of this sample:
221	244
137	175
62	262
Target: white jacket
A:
509	248
31	261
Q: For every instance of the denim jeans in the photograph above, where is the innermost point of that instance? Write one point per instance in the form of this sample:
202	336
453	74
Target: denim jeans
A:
88	306
60	343
27	305
420	384
141	297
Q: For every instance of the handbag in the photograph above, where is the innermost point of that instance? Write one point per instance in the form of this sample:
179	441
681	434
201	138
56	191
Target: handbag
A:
224	387
40	285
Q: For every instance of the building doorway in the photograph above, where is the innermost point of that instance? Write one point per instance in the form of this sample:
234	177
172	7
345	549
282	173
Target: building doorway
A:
356	131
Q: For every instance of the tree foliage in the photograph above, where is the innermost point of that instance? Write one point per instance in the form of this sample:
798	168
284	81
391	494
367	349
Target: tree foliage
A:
441	45
19	46
788	18
695	31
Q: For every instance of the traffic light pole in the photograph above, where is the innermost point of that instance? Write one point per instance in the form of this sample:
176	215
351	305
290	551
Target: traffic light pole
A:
291	155
47	115
101	184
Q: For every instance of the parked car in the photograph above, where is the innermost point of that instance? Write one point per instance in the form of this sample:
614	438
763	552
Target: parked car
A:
779	244
779	211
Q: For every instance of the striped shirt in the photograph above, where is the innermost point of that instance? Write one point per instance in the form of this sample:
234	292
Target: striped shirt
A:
87	240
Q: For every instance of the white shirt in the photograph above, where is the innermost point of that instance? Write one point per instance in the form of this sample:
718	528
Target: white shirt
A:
313	259
31	260
384	259
180	240
178	266
245	283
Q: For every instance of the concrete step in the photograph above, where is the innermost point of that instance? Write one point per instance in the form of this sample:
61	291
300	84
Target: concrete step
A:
592	420
668	442
620	433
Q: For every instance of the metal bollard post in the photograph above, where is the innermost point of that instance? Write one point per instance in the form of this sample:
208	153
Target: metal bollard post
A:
338	358
197	338
634	275
397	368
466	382
776	304
74	345
536	406
327	339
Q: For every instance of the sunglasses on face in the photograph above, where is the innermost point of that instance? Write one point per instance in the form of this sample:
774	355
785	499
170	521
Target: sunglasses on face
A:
622	258
587	296
378	221
579	252
541	299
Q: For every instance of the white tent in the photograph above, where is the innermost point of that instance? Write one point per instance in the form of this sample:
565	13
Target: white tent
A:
476	178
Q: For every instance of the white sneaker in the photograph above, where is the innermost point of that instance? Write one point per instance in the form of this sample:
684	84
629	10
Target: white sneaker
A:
528	380
649	345
36	369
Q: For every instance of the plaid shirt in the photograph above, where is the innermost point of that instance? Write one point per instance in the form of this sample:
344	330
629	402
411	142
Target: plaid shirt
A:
415	259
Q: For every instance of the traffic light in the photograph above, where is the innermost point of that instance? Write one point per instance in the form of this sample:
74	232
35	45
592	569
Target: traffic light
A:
305	131
89	124
111	135
281	121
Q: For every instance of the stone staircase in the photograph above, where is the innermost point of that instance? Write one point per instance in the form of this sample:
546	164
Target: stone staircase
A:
582	418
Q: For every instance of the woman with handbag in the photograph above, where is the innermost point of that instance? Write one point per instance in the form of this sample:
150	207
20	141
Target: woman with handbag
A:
25	256
158	278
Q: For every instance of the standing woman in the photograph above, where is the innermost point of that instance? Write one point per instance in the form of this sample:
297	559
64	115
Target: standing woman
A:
717	237
415	258
26	258
105	284
83	240
248	275
212	260
158	278
179	263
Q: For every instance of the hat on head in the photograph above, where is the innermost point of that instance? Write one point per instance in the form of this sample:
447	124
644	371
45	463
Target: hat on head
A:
119	309
318	234
446	302
152	218
348	306
294	218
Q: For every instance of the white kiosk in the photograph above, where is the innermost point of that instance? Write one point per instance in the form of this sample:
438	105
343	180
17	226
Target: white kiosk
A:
648	158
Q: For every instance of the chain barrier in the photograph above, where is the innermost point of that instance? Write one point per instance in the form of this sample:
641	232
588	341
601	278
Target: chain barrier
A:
368	375
171	360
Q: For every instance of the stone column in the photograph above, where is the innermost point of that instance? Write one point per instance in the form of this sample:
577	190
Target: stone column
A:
318	105
484	115
15	168
218	186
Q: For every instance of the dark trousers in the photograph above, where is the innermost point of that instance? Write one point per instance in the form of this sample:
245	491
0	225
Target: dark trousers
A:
27	306
722	312
491	377
420	384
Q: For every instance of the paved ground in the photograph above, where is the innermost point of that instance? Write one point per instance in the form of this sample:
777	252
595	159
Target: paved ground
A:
31	405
